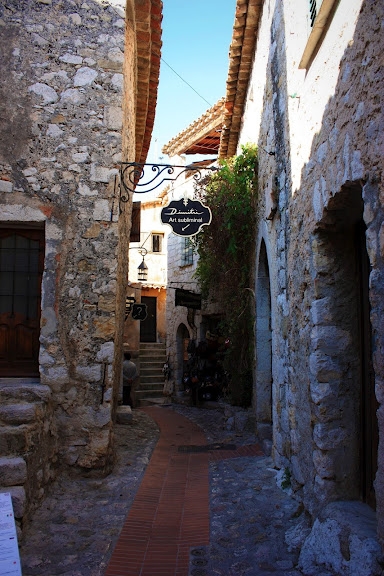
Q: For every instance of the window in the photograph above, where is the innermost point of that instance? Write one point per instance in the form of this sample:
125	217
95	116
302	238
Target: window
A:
186	252
320	15
157	242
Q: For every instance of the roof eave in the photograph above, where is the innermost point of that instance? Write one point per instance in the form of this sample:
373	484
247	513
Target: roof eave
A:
212	119
241	56
148	40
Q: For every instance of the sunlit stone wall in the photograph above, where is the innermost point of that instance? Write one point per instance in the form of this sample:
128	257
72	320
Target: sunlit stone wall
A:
61	123
324	127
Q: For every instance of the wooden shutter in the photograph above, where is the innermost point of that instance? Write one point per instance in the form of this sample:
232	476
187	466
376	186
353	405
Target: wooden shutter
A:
135	230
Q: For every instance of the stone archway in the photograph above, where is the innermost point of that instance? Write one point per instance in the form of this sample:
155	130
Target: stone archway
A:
342	386
263	376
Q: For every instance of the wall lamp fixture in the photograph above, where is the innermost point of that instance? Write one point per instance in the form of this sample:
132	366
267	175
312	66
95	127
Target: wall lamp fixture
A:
142	269
142	274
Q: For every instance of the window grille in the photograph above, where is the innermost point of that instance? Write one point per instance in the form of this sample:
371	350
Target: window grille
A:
186	252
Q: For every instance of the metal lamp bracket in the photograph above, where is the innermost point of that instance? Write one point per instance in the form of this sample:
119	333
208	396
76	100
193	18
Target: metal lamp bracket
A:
134	177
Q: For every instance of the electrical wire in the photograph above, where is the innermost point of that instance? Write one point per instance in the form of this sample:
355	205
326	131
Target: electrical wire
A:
181	78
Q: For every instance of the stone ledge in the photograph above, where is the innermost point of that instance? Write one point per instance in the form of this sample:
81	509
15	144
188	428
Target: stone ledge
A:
124	415
343	539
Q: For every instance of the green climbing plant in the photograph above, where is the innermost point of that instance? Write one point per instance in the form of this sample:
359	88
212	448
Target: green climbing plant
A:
225	265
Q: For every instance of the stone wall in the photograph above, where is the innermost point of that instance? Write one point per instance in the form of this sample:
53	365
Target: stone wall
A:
60	148
182	322
178	327
324	126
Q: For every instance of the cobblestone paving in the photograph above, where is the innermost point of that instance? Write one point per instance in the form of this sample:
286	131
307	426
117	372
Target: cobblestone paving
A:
74	532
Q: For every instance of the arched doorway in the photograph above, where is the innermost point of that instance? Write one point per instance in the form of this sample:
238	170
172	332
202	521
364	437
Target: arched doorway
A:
263	379
344	386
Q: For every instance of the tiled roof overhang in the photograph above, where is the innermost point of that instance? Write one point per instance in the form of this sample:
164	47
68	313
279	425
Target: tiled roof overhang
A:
148	17
241	55
202	136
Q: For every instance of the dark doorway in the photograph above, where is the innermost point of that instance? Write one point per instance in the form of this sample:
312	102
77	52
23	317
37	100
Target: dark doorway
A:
263	380
148	327
21	269
369	405
345	337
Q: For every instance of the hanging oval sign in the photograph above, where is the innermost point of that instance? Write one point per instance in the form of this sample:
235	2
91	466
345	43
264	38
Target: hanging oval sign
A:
186	217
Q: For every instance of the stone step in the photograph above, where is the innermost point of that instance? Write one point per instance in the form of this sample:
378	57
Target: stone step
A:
155	358
157	393
151	385
153	350
151	365
13	471
150	378
20	413
152	359
19	390
14	439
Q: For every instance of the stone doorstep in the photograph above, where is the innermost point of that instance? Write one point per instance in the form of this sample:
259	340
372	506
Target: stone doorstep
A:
124	415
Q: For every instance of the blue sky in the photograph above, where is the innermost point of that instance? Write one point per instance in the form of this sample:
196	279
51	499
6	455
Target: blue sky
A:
196	39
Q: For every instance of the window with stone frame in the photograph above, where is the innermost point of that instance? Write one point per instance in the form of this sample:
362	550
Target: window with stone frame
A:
157	242
186	252
320	14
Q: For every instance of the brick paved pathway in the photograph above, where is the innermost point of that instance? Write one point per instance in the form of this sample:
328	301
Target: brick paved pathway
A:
170	513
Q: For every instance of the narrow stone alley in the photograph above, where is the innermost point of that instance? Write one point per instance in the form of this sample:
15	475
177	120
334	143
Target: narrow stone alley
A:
75	531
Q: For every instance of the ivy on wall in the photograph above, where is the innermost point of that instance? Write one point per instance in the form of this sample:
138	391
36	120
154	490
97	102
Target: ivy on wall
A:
225	265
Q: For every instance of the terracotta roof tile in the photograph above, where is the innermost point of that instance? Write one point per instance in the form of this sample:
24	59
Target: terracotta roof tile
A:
241	54
148	15
201	136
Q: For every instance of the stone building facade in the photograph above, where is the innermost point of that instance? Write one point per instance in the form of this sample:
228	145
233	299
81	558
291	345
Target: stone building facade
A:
151	247
308	89
201	140
78	95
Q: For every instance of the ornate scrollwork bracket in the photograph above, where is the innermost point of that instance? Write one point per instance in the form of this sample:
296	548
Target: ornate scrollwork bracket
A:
143	178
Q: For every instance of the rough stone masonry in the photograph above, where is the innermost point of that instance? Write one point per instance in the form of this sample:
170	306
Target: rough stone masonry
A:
60	145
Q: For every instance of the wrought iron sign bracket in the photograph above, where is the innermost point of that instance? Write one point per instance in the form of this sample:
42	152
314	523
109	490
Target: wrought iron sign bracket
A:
142	178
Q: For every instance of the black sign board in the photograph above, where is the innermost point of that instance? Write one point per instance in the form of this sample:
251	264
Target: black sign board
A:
188	299
186	217
139	311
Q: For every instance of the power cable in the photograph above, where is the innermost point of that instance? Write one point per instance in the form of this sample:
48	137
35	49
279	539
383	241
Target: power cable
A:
181	78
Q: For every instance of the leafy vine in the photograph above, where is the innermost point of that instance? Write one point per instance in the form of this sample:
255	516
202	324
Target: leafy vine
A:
225	265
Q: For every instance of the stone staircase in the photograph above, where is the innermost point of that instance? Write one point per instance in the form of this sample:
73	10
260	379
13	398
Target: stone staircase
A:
152	359
27	442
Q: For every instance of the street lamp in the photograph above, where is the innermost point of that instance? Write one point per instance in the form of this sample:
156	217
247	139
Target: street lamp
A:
142	273
142	269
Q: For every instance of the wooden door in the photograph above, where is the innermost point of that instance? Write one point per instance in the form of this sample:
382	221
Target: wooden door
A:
21	268
148	327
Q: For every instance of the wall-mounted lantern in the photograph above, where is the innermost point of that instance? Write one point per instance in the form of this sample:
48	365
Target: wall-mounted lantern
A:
142	273
142	269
